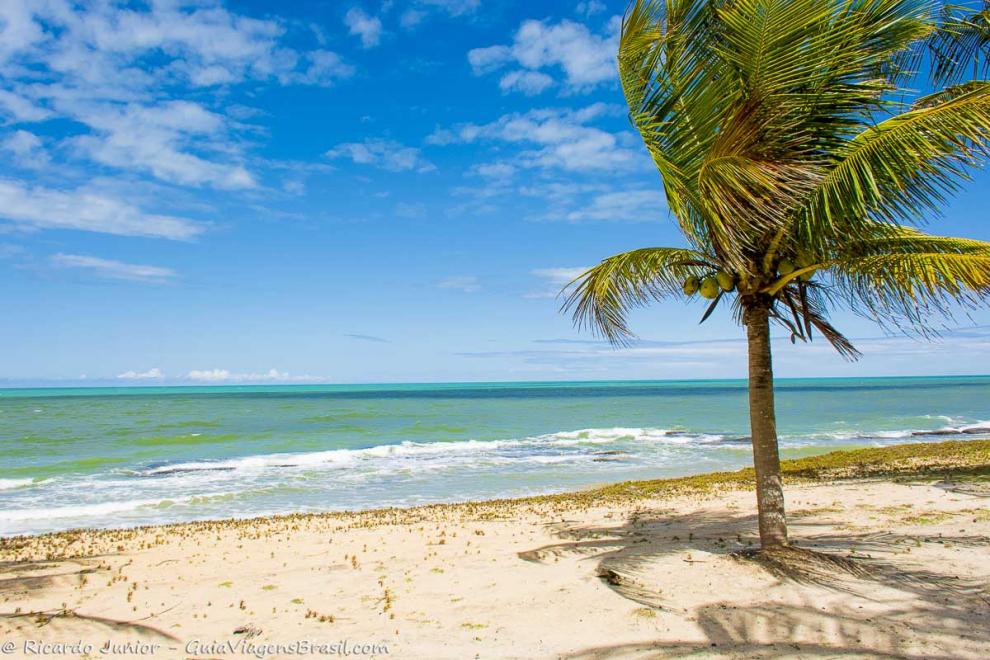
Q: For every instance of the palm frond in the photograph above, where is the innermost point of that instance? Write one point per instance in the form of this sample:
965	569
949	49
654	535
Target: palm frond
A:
739	103
902	168
903	275
809	305
961	47
602	296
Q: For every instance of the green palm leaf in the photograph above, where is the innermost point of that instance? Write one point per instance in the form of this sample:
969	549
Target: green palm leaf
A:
602	296
902	168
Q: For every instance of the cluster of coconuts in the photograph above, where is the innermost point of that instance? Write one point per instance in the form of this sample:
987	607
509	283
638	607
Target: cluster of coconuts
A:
802	260
710	286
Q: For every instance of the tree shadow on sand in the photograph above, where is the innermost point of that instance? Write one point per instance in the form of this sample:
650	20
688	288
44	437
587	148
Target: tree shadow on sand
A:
29	578
738	632
631	558
68	624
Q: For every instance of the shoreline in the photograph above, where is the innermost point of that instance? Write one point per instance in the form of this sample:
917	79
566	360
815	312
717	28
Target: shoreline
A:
627	570
910	459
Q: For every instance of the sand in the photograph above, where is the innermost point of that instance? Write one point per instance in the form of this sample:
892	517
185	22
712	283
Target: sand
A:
654	577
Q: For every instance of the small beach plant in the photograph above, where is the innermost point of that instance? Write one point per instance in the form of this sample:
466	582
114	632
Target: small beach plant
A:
798	165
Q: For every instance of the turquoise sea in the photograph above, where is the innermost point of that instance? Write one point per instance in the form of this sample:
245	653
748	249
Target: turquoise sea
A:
102	457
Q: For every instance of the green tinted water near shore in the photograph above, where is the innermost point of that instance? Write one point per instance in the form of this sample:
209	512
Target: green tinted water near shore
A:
122	456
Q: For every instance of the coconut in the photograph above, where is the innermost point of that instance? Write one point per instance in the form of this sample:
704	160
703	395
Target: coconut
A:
786	267
709	287
691	286
725	280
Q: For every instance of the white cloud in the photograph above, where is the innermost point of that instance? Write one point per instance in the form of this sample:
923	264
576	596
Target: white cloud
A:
462	283
411	18
368	28
590	8
452	7
26	149
486	60
586	59
110	68
20	108
84	210
158	140
529	83
385	154
117	270
322	68
554	280
565	139
623	205
150	374
420	10
102	43
496	171
225	376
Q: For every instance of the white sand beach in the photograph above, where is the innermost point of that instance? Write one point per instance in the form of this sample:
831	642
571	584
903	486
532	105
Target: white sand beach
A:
560	577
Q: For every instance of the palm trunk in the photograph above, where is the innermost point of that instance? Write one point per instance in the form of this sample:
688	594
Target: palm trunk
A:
763	425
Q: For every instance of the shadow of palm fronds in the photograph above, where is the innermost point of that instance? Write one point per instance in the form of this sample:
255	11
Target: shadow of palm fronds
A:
68	623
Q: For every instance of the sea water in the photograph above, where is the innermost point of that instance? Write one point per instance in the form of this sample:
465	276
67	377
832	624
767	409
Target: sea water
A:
108	457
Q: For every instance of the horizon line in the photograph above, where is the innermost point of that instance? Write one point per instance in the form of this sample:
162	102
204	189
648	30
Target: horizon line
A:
100	385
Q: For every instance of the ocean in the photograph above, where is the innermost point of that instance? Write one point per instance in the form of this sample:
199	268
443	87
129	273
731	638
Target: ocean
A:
114	457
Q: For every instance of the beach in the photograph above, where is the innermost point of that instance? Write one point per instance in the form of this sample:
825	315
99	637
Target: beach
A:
639	569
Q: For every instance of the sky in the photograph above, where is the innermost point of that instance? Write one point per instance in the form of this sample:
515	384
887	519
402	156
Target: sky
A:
210	193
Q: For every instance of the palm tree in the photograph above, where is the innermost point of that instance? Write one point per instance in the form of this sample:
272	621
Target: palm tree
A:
795	169
960	48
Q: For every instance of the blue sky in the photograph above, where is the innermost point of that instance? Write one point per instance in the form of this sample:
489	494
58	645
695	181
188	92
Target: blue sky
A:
200	192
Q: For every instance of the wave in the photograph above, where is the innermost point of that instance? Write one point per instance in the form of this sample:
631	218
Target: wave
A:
562	446
10	484
533	449
633	445
102	509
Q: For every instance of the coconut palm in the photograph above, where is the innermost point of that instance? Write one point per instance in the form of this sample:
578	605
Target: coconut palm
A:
797	171
960	48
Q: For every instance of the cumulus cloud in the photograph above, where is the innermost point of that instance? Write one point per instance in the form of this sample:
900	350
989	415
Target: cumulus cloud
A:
590	8
367	28
586	59
462	283
110	69
385	154
564	138
101	43
21	109
150	374
529	83
80	209
226	376
25	149
158	140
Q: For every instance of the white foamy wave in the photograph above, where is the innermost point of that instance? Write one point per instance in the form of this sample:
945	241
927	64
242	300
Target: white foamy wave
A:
521	449
102	509
82	511
9	484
